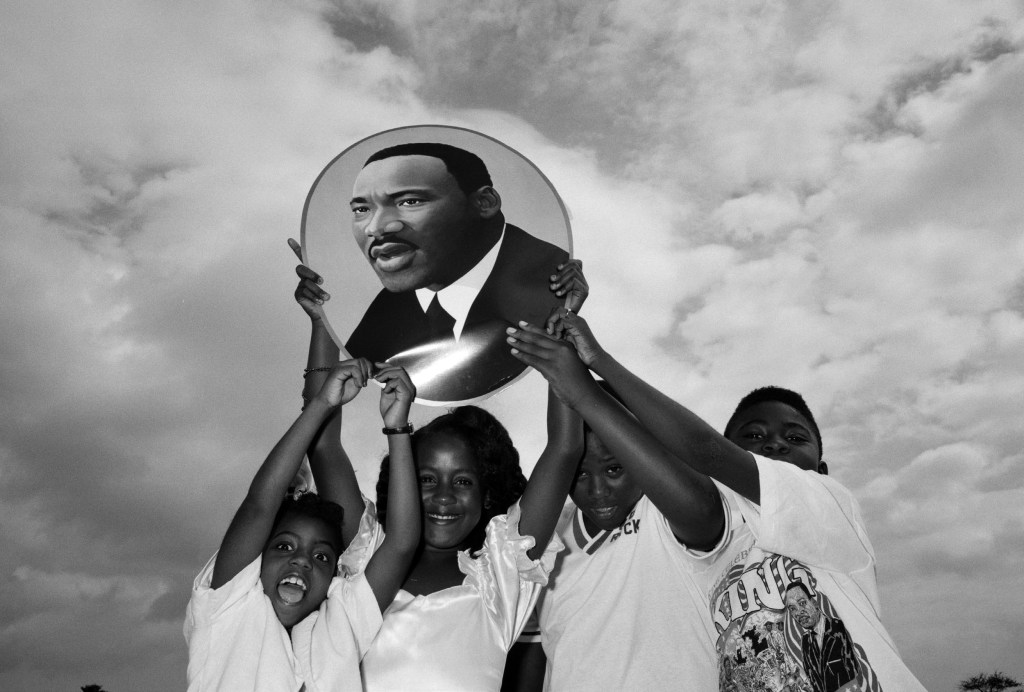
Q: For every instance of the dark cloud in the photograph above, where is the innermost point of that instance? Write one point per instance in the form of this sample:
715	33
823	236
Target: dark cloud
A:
887	118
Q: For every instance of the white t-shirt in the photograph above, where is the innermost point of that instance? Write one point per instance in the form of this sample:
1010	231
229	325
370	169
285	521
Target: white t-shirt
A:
237	644
457	639
622	610
807	528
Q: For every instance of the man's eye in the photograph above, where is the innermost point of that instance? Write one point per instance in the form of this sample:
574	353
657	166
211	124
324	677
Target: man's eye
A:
410	202
360	210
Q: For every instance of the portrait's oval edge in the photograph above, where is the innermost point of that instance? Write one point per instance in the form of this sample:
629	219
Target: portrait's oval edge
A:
566	215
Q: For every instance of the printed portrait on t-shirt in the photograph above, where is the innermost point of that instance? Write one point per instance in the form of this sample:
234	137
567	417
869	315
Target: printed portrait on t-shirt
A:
432	241
778	634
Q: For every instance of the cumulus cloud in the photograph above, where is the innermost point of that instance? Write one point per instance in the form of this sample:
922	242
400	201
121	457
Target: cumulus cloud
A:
822	196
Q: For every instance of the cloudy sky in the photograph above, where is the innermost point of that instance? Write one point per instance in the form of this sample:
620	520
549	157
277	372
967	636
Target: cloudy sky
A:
813	194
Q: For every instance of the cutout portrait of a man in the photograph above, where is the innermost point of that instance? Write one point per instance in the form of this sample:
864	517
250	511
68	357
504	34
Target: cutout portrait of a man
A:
452	273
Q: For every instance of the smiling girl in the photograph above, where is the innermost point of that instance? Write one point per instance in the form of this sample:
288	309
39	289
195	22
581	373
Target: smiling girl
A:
485	550
482	559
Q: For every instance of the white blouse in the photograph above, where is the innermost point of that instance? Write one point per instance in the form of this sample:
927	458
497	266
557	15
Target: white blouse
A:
457	638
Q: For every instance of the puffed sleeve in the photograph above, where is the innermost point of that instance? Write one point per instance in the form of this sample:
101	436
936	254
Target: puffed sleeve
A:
207	603
505	576
236	605
367	540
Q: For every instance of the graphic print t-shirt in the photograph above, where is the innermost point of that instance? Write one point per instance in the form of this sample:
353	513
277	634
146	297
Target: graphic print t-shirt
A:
807	529
623	610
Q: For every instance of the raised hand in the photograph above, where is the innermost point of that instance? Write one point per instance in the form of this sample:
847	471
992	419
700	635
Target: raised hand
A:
397	395
553	358
568	280
308	293
567	325
344	382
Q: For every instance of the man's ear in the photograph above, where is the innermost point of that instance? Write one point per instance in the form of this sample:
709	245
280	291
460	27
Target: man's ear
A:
822	468
487	202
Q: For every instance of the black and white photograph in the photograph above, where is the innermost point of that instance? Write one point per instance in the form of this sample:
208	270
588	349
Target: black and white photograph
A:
511	346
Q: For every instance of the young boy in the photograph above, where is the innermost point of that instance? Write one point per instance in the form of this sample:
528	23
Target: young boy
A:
269	612
799	546
783	525
623	610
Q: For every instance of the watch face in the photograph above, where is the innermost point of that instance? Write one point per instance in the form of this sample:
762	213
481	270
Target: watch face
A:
431	241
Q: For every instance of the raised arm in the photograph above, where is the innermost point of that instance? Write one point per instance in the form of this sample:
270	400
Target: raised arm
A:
387	568
552	476
250	528
551	479
331	466
688	499
681	431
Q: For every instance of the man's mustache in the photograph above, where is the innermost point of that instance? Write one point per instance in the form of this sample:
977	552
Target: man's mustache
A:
389	246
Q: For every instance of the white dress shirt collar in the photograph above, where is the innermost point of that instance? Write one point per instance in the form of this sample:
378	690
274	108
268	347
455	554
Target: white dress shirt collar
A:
457	298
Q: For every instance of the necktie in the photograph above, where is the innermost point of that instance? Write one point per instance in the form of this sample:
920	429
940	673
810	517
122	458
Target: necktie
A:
441	323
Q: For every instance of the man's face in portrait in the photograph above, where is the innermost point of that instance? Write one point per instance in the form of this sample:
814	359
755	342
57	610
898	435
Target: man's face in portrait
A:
802	608
414	224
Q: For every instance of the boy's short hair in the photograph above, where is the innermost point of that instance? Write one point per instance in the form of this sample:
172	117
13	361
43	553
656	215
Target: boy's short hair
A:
313	506
782	395
467	168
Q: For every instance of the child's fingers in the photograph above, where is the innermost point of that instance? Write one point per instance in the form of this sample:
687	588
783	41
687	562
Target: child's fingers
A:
569	276
351	373
305	272
365	367
568	271
526	357
308	290
384	371
395	376
537	337
526	338
542	361
296	248
340	372
555	326
569	282
533	329
570	320
356	370
536	351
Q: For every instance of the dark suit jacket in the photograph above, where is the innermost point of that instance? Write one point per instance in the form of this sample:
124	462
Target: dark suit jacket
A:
394	327
836	663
